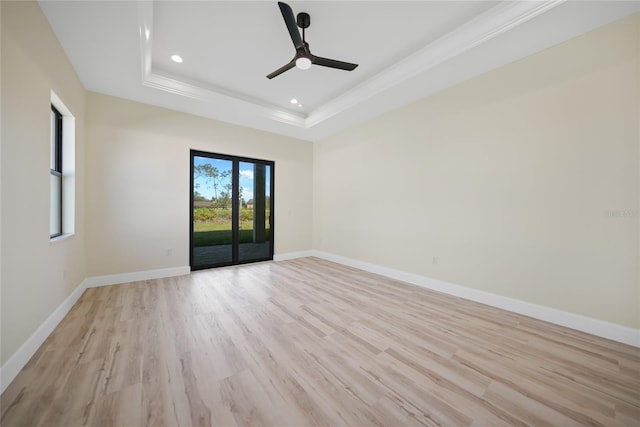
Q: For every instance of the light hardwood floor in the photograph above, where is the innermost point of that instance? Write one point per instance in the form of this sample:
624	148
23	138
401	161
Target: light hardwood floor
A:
309	342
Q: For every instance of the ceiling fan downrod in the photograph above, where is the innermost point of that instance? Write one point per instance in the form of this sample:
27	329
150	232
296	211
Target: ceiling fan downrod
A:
303	20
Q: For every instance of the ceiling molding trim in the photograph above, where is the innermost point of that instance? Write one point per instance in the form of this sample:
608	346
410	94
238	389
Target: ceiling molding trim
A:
494	22
198	90
184	87
145	17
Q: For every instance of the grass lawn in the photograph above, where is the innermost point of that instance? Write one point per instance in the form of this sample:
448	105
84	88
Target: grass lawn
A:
219	233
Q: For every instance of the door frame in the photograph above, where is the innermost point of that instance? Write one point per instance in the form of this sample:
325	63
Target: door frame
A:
235	212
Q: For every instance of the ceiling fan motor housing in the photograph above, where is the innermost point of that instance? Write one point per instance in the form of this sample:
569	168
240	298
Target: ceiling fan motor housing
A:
303	20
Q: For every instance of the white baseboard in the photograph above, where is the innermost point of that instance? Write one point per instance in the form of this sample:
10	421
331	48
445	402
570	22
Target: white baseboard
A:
116	279
601	328
19	359
292	255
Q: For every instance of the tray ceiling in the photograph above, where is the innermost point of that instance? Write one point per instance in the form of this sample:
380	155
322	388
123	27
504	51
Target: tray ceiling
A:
406	51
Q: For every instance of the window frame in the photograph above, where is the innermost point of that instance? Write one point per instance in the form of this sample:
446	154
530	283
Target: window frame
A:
56	151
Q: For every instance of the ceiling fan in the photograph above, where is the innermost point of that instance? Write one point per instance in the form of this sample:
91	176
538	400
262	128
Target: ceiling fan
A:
304	58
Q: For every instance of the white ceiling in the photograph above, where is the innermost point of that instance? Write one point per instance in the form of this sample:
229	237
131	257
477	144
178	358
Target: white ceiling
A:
406	50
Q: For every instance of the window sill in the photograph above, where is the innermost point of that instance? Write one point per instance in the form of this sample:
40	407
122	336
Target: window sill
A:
60	238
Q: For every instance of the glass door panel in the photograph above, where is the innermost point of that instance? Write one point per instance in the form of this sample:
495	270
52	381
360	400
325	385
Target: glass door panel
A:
255	210
212	232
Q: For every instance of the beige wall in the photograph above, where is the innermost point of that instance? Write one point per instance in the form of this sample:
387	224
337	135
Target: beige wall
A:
138	184
513	180
1	138
36	275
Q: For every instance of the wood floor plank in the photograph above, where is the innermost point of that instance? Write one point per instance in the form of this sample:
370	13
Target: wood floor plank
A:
310	342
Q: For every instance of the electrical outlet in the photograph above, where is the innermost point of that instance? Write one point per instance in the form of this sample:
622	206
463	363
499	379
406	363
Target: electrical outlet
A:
435	260
168	252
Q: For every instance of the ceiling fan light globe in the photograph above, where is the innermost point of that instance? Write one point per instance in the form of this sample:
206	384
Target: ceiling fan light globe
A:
303	63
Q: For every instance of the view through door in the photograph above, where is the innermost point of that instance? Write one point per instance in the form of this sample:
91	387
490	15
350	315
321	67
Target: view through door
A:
231	210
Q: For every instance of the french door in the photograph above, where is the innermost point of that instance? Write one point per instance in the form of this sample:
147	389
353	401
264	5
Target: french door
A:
231	210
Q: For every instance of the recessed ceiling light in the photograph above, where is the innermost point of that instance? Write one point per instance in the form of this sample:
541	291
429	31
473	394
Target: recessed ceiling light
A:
176	58
293	101
299	105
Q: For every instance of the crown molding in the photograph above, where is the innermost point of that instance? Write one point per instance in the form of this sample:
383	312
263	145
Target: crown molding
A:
486	26
209	93
497	20
183	86
145	28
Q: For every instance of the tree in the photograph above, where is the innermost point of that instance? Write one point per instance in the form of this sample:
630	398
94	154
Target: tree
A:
225	197
212	176
198	197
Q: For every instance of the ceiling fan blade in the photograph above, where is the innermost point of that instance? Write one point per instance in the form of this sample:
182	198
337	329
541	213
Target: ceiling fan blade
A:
282	69
332	63
290	20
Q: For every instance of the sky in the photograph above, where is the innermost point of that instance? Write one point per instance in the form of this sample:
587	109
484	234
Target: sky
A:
204	187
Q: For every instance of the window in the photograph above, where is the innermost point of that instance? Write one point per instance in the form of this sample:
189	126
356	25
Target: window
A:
63	170
55	223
